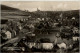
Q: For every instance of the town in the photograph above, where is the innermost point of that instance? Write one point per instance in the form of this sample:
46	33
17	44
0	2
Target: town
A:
39	31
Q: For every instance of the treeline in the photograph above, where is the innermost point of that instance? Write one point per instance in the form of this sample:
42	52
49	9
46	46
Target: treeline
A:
56	14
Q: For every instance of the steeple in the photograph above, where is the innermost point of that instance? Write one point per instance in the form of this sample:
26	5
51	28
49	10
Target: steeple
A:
38	9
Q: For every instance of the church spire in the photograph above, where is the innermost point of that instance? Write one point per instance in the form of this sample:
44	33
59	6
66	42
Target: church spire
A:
38	9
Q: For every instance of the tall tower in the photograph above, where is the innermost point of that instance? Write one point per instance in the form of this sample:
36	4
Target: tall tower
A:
38	10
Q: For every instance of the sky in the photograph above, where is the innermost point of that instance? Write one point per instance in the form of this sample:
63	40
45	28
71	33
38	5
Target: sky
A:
44	5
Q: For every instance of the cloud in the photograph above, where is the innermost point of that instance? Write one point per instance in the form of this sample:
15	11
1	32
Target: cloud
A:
17	4
65	5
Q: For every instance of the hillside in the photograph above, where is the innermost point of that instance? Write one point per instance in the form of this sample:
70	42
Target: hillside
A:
4	7
10	12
